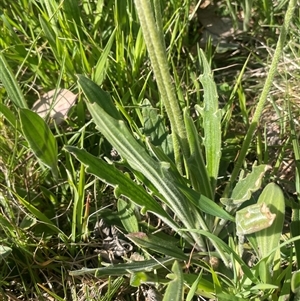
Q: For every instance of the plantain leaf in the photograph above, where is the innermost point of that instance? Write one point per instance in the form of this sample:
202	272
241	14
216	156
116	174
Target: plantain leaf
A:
204	204
157	244
127	216
211	121
196	165
155	129
126	268
253	218
40	139
295	282
245	187
269	238
126	187
41	217
175	288
108	121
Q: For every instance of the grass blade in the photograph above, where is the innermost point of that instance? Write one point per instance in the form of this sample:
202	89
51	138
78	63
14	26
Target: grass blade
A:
100	67
10	84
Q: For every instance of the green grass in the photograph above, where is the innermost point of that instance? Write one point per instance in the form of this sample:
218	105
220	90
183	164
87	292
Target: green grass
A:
161	145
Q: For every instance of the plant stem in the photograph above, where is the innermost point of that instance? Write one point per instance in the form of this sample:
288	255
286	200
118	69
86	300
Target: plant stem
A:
153	37
263	96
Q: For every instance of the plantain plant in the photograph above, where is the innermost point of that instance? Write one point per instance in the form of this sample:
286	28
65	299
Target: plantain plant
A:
172	175
181	189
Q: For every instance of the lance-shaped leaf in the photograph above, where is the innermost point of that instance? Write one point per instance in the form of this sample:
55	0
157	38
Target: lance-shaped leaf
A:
269	238
196	164
157	244
125	186
211	121
127	215
155	129
108	121
126	268
40	139
9	115
245	187
175	288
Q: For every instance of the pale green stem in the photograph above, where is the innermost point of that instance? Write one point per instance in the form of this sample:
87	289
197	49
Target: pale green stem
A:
263	96
158	56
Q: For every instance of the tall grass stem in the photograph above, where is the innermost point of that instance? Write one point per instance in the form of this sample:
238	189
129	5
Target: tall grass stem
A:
264	95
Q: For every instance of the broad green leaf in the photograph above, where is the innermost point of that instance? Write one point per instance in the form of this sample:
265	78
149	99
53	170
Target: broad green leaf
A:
126	268
5	224
139	278
10	84
40	139
204	204
116	132
95	94
155	243
264	286
27	222
193	289
211	121
126	187
175	288
127	216
269	238
245	187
